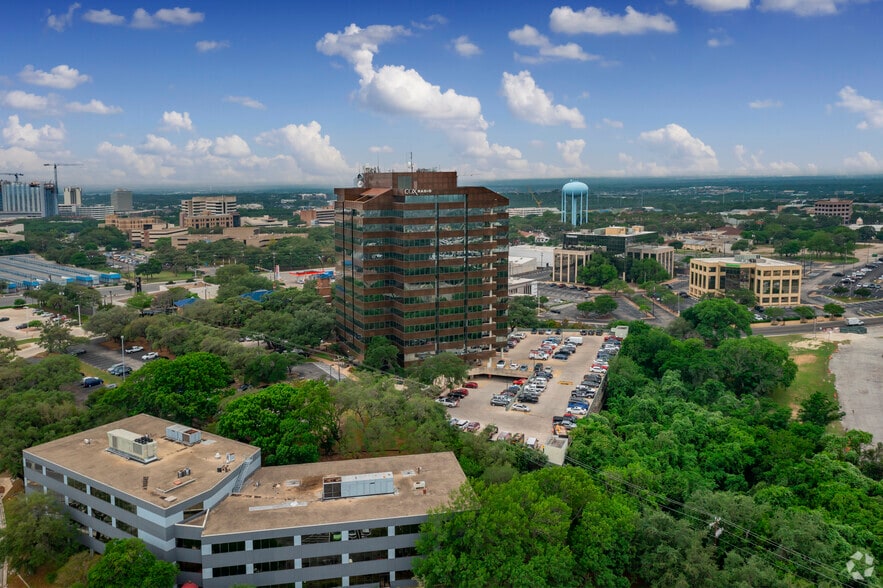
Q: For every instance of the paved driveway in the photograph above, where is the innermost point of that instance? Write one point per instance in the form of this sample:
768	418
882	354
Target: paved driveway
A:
858	372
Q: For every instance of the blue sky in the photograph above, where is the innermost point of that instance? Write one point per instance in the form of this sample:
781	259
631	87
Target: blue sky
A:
265	93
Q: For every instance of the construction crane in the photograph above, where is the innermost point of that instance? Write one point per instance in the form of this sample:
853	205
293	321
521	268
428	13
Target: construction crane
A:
536	198
16	174
55	169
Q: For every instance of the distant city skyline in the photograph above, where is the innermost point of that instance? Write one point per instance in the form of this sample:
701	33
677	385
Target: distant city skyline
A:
225	94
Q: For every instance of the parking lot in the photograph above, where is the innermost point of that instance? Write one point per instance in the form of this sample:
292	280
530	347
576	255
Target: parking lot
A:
537	423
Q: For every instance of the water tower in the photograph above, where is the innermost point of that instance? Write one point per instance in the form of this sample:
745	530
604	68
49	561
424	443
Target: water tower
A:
575	203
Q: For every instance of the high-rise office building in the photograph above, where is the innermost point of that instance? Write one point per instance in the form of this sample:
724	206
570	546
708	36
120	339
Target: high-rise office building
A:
73	195
121	200
28	200
422	262
204	212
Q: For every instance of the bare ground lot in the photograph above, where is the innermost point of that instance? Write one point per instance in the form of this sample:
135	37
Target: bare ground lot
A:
537	423
858	370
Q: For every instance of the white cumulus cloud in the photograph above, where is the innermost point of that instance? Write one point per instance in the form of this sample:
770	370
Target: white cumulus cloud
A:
531	103
104	17
177	16
720	5
680	152
231	146
177	121
61	76
28	136
872	110
766	103
129	160
93	107
464	47
803	7
719	38
156	144
528	36
245	101
752	163
571	151
208	46
613	124
25	100
59	22
597	21
395	90
380	149
312	151
863	162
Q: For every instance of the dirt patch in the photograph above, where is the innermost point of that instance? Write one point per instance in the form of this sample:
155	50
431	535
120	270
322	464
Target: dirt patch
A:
803	359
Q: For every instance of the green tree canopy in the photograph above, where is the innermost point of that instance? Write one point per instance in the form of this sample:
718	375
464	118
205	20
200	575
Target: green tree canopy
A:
381	354
820	410
833	309
718	319
127	563
598	271
111	321
38	532
755	365
289	423
444	365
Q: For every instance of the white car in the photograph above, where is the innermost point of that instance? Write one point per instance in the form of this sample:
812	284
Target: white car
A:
149	356
134	349
520	407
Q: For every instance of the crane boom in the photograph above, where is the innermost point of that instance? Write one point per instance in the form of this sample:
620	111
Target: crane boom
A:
16	174
55	169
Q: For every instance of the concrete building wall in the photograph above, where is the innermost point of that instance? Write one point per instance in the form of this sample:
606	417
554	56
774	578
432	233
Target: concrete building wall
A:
774	283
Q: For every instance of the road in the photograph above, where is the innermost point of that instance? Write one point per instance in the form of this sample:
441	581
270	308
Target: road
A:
796	327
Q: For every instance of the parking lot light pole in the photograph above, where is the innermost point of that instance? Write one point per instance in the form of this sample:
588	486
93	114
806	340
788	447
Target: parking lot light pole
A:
79	319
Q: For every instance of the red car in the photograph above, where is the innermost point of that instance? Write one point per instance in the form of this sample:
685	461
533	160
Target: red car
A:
519	382
470	385
460	391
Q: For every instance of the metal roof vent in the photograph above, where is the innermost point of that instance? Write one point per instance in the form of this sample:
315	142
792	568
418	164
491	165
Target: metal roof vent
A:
181	434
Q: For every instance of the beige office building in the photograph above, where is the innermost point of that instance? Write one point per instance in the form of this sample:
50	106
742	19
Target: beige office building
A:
774	283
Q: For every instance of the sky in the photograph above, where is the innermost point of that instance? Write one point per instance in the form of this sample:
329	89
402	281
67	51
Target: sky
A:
233	93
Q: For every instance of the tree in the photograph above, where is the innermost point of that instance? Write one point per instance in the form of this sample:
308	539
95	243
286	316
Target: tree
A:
19	302
616	286
151	267
444	365
839	290
38	532
754	365
743	296
523	312
599	270
775	313
863	292
866	234
805	312
111	321
56	337
127	563
646	270
718	319
833	309
741	245
140	301
789	248
676	244
381	354
289	423
242	285
187	389
820	410
602	304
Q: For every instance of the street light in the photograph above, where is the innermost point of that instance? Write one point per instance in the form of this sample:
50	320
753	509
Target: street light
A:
79	319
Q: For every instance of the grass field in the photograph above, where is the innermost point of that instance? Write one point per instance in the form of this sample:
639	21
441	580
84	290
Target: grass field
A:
812	357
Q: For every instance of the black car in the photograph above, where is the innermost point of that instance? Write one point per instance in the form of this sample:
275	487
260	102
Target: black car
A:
538	367
3	319
561	356
532	398
89	382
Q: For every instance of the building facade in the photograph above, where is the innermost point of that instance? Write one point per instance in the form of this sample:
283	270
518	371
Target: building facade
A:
834	207
774	283
323	217
209	212
422	262
204	502
73	195
121	200
31	200
664	255
614	240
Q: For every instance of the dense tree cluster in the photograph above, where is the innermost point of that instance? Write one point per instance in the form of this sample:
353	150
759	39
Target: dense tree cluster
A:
691	476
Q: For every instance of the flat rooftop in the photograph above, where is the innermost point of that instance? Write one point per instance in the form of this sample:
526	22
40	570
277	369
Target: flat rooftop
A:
282	497
92	460
760	261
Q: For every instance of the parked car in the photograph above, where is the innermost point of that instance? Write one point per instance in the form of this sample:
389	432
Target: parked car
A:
473	426
448	402
3	319
89	382
150	355
501	364
520	407
134	349
470	385
21	326
499	401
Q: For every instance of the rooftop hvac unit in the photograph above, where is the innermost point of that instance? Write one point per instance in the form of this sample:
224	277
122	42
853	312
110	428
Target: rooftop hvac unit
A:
357	485
182	434
132	445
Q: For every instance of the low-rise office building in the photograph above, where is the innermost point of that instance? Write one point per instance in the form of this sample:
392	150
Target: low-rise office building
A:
203	502
774	283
